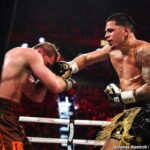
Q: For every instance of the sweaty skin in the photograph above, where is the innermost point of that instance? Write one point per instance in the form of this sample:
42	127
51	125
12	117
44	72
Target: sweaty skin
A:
19	65
130	58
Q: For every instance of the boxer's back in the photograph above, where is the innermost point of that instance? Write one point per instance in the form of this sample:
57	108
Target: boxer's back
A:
14	74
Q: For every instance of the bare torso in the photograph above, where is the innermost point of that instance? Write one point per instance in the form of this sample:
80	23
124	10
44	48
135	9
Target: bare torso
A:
128	71
128	68
14	75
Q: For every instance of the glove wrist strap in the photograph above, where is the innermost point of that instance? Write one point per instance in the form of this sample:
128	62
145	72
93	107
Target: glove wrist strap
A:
73	66
69	84
128	97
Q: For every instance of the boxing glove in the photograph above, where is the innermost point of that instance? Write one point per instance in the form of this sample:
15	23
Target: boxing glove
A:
35	81
116	96
62	69
71	88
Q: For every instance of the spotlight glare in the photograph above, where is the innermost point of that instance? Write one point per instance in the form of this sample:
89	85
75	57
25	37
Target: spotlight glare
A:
24	45
41	40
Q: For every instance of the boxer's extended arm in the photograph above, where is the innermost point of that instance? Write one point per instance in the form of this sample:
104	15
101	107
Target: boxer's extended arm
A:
90	58
143	57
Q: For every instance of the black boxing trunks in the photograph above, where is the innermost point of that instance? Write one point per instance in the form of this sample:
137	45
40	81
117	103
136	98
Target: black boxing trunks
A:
131	127
12	135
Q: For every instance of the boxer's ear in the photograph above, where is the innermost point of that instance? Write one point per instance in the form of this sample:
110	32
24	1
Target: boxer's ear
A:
40	50
126	29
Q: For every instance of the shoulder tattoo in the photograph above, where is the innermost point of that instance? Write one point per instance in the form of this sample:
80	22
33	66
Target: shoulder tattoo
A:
143	58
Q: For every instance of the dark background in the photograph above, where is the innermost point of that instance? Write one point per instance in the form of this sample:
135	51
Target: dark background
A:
76	27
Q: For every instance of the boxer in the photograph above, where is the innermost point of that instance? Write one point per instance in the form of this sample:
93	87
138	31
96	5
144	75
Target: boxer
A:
130	58
22	69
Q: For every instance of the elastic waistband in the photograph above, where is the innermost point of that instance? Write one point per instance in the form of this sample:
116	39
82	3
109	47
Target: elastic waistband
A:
145	104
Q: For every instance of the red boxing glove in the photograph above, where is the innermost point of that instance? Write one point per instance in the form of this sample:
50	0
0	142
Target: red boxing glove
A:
71	88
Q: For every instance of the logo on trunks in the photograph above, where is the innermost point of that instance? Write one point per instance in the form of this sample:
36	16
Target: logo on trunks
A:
17	145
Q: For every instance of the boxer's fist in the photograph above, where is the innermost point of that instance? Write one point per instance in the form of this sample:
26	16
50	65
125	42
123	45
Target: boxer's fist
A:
113	94
71	88
62	69
117	97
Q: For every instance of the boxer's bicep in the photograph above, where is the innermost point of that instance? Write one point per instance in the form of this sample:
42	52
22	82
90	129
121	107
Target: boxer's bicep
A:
98	55
145	88
146	74
90	58
143	59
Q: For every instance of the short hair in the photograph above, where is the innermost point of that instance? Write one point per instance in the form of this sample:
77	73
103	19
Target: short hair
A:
122	19
49	48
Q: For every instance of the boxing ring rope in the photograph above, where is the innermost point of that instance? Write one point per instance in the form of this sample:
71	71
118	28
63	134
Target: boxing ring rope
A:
62	121
65	141
71	124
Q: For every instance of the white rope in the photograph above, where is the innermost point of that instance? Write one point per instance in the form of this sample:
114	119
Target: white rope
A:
65	141
62	121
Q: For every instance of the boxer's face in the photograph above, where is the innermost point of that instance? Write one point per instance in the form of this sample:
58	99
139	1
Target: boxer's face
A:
48	60
115	34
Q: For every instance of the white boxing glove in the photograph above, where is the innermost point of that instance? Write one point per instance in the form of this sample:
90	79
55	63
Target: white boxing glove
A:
116	96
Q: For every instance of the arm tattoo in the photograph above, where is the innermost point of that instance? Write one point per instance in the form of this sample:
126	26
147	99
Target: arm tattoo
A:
143	58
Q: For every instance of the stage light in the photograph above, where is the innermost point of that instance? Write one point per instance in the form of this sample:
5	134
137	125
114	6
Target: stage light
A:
24	45
41	39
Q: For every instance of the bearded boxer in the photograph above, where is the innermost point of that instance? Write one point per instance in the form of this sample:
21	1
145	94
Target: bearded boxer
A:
130	58
26	67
